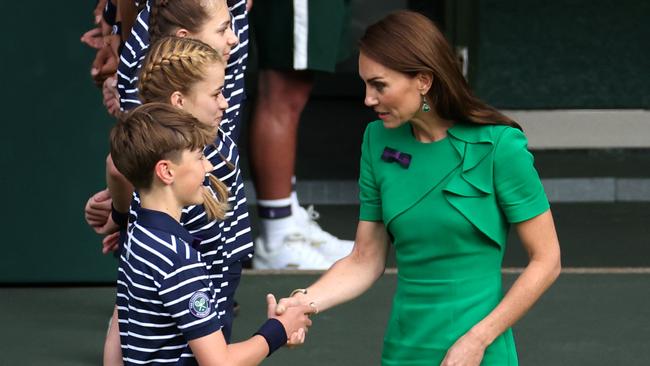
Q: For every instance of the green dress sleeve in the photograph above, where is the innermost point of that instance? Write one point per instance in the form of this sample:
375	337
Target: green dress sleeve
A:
369	196
519	189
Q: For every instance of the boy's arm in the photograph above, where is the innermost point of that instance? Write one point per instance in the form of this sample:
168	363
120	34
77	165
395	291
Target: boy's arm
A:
212	350
120	188
117	196
200	324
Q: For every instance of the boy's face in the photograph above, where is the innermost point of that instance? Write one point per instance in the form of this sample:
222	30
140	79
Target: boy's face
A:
205	100
189	174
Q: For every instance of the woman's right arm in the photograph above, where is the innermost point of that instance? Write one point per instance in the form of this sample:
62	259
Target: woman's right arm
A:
350	276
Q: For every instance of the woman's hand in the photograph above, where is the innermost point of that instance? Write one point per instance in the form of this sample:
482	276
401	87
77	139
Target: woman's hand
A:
467	351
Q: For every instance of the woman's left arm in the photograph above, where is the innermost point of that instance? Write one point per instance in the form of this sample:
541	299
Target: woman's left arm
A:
540	241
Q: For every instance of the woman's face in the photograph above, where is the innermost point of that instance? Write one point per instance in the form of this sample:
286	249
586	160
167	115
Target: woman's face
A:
217	30
205	100
396	97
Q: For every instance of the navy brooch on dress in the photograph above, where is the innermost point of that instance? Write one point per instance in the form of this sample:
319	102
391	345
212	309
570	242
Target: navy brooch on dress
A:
393	156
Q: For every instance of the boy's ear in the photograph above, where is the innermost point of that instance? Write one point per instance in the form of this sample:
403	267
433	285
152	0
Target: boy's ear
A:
176	99
164	172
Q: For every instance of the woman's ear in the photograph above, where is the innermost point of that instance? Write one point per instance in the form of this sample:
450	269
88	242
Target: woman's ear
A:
177	99
424	81
164	171
182	33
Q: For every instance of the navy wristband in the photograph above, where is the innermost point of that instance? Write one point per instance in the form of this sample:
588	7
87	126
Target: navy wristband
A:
121	219
274	334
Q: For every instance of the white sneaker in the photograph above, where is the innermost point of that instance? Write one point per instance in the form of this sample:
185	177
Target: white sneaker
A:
293	253
327	244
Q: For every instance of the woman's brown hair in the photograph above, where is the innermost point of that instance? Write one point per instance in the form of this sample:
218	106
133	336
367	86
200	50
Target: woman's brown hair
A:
410	43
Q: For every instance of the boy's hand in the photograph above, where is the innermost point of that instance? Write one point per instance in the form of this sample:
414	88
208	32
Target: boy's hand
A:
98	210
295	320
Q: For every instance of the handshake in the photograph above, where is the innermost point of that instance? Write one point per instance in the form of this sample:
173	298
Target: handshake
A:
293	314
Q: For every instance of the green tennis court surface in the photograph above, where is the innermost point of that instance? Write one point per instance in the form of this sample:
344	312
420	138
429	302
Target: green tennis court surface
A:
595	318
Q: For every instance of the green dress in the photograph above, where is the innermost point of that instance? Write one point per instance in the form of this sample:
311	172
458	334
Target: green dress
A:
448	215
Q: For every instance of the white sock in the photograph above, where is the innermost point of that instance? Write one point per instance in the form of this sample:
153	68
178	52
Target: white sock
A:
295	204
274	229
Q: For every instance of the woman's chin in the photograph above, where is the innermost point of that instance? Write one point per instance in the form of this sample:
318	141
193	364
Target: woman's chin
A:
391	124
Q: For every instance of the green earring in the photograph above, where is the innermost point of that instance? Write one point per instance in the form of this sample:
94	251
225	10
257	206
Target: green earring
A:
425	105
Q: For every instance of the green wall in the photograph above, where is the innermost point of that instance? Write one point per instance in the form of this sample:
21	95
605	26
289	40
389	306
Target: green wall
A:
53	145
563	54
529	55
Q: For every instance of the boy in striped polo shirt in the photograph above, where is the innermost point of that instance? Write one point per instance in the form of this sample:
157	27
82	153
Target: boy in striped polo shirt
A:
166	301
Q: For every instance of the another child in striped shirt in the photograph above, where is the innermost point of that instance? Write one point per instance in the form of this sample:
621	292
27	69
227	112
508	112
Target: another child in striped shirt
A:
165	298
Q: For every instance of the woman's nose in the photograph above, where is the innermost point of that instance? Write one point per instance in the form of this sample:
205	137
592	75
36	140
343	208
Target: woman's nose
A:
370	100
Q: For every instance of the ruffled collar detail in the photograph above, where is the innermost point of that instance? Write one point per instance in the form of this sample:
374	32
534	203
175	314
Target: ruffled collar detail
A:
473	145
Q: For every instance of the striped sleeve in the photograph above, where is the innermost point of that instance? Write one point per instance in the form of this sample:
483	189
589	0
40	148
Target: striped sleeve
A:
188	295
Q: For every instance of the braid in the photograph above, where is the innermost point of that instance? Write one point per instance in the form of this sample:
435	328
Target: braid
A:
174	64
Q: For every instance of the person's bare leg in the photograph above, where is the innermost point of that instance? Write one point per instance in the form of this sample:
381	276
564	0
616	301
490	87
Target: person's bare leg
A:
112	347
281	98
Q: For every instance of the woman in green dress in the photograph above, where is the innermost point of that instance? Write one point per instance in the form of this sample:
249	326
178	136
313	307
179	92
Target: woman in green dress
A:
443	177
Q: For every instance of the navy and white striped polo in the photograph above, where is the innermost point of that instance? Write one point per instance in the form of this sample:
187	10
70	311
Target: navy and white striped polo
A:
234	81
164	294
223	244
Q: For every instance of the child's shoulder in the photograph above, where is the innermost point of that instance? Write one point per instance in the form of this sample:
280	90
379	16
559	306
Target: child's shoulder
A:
164	250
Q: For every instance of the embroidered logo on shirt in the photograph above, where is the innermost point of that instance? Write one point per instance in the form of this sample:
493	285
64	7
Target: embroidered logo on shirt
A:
200	305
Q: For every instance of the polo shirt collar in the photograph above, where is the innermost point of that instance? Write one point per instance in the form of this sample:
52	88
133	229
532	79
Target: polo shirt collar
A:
163	222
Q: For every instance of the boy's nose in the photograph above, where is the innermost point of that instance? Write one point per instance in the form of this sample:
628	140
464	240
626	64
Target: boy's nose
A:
207	165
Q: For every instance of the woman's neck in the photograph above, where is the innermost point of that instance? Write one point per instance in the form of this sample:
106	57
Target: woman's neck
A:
428	127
